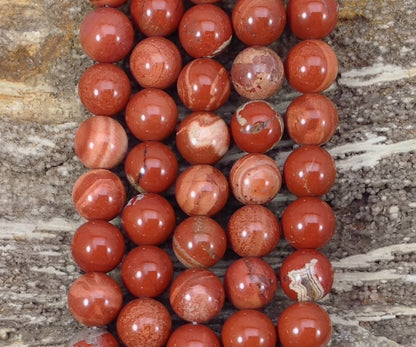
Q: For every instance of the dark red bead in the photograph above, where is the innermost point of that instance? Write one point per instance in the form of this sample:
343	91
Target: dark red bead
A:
193	335
93	337
111	3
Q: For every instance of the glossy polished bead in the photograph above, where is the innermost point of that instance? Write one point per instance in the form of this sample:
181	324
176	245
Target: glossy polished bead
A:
309	171
253	231
155	62
156	17
111	3
202	138
304	324
203	85
308	222
193	335
250	283
98	194
311	66
306	275
148	219
144	322
248	328
95	299
199	241
258	22
151	114
104	89
93	337
197	295
255	179
100	143
106	35
311	119
97	246
146	271
257	72
151	167
205	31
201	190
256	127
312	19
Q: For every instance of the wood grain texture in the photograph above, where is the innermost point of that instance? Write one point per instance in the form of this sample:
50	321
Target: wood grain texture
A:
373	302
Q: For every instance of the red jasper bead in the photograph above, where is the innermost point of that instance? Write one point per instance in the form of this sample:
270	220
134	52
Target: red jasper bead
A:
203	138
312	19
192	335
98	194
111	3
304	324
250	283
257	72
146	271
106	35
201	190
306	275
308	222
248	328
204	1
151	114
258	22
155	62
255	179
97	246
311	66
148	219
311	119
203	85
156	17
151	167
104	89
256	127
309	171
95	299
197	295
199	241
93	337
253	231
205	31
100	143
144	322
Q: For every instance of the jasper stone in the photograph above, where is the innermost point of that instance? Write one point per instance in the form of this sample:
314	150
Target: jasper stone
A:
111	3
93	337
193	335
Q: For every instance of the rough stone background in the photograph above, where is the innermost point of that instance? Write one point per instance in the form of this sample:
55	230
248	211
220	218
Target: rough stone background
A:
373	302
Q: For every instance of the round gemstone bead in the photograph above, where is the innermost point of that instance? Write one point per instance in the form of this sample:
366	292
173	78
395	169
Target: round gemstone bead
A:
111	3
192	335
97	246
201	190
250	283
203	85
309	171
258	22
255	179
155	62
204	1
197	295
199	241
98	194
256	127
151	167
312	19
308	222
93	337
202	138
306	275
304	324
248	328
106	35
100	143
257	72
95	299
311	119
104	89
148	219
156	17
311	66
253	231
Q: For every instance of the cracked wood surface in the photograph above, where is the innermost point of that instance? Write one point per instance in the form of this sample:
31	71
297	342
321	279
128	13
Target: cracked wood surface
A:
373	302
